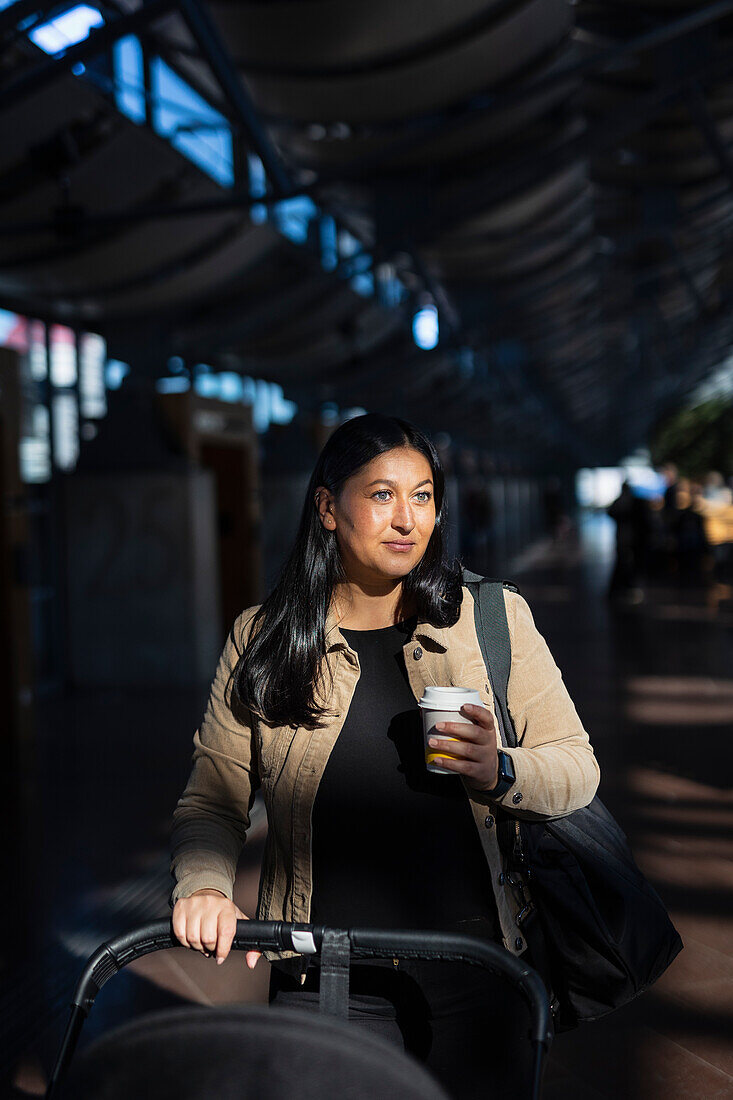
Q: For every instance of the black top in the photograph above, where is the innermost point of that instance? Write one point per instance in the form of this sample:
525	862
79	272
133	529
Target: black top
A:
394	846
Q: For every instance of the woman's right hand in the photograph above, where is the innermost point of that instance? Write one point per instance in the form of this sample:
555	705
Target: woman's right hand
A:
207	921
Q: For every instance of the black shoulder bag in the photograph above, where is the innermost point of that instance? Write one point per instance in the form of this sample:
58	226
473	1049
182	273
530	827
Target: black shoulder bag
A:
599	933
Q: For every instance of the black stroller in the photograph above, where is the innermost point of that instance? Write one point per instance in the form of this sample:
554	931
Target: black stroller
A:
256	1052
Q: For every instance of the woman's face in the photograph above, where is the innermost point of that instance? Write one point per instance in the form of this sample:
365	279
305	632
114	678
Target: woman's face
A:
389	501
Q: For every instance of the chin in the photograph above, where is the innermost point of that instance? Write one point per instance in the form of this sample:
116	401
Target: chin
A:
401	567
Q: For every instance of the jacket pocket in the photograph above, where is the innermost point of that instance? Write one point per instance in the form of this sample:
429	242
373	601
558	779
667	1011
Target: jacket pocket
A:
274	753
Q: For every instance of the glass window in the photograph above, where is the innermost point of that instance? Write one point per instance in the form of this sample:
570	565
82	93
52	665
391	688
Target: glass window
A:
257	188
34	450
129	72
13	331
65	430
67	29
63	356
282	410
425	328
329	243
92	359
363	283
115	373
37	357
173	385
191	124
293	217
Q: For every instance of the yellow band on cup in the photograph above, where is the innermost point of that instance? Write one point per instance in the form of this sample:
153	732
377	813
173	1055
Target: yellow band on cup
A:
431	757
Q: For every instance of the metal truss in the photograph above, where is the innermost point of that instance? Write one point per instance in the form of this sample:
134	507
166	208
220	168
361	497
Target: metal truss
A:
208	39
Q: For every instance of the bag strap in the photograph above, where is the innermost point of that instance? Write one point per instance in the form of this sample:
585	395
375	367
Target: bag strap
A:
492	630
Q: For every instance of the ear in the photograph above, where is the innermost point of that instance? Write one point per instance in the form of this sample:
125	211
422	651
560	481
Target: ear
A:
324	503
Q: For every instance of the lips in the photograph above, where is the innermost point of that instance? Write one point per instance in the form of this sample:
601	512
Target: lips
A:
400	545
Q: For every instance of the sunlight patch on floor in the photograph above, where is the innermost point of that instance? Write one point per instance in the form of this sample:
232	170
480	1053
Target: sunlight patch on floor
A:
679	700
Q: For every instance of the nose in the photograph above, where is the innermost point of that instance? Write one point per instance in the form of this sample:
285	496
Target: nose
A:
402	517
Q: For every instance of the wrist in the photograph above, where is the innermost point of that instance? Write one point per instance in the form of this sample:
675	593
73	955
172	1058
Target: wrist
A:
490	785
505	778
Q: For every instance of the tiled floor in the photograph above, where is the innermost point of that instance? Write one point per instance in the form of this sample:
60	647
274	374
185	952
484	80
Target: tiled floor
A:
653	682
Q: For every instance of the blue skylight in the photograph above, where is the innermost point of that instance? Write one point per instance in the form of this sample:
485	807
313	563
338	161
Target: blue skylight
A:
172	385
191	124
293	216
363	283
115	373
66	30
130	78
257	188
425	328
329	243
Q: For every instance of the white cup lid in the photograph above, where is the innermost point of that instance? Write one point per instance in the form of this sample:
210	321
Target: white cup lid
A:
448	698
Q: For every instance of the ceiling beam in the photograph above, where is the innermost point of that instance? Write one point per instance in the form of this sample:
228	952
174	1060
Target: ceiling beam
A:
209	41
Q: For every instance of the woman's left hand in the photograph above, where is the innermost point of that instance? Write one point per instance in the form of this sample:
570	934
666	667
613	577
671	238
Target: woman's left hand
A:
476	747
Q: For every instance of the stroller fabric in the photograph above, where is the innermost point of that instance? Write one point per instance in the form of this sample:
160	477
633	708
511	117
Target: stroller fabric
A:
245	1052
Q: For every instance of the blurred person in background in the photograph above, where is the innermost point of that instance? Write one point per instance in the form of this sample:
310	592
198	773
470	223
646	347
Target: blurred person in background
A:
633	531
713	487
716	509
667	558
315	699
670	474
690	539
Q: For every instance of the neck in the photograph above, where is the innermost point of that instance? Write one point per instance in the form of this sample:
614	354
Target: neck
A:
361	609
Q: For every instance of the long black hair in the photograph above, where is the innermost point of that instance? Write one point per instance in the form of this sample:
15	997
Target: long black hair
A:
282	666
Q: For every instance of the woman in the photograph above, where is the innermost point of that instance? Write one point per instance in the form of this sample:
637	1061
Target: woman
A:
315	699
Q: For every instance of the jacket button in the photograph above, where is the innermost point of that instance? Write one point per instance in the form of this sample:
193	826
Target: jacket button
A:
417	653
502	878
516	798
519	943
488	821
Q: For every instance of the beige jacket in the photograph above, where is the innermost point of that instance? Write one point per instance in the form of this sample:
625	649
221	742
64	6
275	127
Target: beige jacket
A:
555	766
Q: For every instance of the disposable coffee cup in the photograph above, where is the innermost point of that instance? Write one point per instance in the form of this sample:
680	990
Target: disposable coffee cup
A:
443	704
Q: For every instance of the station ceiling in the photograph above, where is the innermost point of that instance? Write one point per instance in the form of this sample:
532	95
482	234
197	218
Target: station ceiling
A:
556	177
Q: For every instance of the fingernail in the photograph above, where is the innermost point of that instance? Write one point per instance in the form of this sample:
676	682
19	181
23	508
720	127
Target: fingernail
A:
432	740
440	725
219	962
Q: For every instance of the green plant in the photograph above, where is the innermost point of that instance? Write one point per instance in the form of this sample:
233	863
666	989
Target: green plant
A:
697	439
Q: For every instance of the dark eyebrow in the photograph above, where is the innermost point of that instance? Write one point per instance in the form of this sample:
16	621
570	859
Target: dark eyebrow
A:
386	481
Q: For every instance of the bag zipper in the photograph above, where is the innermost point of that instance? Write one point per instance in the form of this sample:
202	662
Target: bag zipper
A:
526	905
518	849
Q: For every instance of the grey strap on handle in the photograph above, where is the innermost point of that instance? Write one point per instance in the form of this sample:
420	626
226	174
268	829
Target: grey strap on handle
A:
492	629
333	997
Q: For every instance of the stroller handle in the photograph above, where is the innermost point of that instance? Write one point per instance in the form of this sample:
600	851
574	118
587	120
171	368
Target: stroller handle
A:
158	935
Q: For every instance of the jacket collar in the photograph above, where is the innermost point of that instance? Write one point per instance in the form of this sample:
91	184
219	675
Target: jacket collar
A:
436	634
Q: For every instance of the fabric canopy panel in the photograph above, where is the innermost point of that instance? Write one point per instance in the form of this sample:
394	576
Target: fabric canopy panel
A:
384	61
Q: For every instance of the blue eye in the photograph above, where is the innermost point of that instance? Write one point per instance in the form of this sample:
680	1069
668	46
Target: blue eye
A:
423	493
